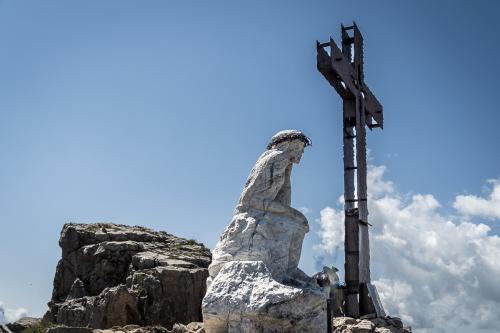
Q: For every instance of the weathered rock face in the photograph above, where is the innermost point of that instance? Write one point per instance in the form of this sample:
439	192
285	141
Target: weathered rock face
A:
194	327
244	297
116	275
23	323
376	325
4	329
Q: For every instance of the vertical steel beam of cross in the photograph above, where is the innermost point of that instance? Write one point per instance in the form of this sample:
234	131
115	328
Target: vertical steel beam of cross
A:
351	111
364	245
351	214
365	303
351	260
349	165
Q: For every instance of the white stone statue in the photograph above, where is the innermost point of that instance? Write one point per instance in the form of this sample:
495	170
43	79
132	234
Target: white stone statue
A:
255	284
265	227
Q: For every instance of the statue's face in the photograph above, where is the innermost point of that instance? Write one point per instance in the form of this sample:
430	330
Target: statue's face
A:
296	149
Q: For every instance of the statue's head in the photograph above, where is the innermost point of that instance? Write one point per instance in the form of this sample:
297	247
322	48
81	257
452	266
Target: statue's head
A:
291	142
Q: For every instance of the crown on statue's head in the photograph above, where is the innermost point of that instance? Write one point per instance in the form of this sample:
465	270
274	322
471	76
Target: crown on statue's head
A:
288	135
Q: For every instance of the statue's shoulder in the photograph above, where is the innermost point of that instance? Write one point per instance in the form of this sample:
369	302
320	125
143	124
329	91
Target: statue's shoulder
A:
273	158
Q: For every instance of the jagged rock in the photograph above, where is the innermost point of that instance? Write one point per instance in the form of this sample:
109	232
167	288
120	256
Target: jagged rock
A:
394	321
112	307
244	297
115	275
4	329
375	325
23	323
66	329
77	290
194	327
189	328
363	326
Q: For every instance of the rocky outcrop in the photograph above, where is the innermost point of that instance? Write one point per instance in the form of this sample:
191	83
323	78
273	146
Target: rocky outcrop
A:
116	275
23	323
375	325
4	329
194	327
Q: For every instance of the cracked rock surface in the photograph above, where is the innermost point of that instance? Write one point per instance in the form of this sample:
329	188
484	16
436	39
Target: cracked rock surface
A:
22	324
194	327
244	297
116	275
376	325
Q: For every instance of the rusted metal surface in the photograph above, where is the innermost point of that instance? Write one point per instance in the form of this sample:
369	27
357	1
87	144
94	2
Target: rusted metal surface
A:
351	263
349	167
361	161
348	77
343	68
372	291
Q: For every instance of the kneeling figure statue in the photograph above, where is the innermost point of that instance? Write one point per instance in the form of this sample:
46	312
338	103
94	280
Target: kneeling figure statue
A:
255	284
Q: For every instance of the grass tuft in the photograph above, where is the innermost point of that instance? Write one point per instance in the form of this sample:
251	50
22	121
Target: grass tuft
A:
41	327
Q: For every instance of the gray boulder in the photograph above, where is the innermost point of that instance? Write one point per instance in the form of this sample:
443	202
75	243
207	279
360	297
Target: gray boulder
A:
116	275
4	329
375	325
23	323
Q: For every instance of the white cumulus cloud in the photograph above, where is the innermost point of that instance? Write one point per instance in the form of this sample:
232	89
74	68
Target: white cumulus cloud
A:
471	205
331	230
437	272
11	315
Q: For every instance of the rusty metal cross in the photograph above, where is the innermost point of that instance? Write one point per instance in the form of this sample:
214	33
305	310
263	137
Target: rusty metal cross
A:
343	69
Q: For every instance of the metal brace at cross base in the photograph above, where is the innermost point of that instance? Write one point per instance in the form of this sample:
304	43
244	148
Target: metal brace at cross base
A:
343	69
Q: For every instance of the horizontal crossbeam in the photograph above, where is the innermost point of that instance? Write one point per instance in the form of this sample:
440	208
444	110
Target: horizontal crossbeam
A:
339	72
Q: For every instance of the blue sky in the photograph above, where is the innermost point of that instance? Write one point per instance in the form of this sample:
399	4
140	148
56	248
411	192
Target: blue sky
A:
153	113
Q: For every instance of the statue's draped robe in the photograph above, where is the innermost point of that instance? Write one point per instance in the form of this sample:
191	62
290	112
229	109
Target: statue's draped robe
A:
260	230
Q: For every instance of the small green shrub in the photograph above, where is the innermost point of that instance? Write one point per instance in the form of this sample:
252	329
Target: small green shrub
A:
41	327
